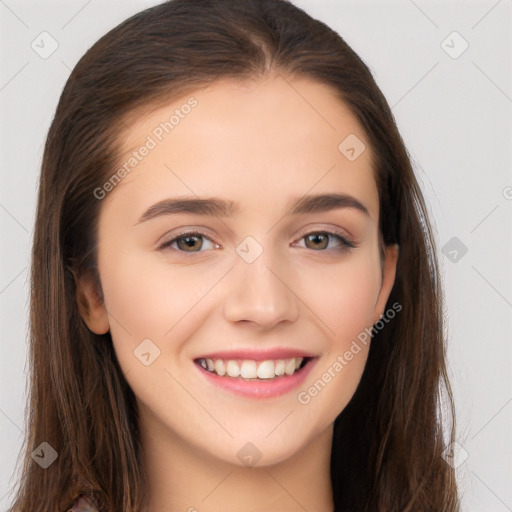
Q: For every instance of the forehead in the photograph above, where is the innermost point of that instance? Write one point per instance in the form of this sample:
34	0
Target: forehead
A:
253	103
278	133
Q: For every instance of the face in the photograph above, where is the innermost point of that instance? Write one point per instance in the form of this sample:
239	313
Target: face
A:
243	240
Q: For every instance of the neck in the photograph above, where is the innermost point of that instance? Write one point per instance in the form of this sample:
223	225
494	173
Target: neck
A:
183	479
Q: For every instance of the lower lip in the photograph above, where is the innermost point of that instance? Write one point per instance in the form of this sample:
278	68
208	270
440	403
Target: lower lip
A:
259	389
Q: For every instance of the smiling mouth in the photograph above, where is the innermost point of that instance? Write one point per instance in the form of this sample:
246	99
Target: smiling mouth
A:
249	369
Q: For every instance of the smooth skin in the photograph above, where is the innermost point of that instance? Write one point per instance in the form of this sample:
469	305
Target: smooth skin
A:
261	144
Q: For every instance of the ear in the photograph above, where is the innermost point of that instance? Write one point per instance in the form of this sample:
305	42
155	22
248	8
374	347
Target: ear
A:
388	279
90	303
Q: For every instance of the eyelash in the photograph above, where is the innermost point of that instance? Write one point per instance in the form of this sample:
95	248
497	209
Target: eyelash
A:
346	244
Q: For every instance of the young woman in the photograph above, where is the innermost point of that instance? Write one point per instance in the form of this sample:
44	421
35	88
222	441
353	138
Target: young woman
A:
235	297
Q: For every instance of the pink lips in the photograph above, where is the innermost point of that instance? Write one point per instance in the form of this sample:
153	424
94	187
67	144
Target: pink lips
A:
258	388
258	355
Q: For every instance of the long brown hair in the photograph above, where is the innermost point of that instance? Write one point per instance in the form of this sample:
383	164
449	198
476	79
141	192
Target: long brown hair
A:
388	441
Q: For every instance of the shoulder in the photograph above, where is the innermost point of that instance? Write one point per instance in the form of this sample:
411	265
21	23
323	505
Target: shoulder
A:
83	503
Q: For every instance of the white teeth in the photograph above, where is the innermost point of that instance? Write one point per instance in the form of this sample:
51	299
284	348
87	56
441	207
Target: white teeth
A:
279	368
289	367
220	369
266	370
250	369
232	369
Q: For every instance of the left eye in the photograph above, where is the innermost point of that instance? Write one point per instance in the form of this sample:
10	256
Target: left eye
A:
320	240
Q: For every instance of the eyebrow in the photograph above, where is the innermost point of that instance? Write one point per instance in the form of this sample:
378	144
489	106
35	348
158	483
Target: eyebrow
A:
224	208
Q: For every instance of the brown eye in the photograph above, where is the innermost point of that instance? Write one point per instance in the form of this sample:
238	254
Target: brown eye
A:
326	241
190	243
317	240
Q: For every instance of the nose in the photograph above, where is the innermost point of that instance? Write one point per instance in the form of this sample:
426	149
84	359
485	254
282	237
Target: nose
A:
260	293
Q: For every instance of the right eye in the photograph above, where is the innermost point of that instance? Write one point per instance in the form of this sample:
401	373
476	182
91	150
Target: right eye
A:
189	242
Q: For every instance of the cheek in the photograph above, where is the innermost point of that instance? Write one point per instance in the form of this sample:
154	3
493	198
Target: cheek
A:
344	297
345	304
148	301
134	300
134	297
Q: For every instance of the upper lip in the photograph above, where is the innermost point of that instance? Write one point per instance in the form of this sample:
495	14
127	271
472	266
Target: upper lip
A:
258	354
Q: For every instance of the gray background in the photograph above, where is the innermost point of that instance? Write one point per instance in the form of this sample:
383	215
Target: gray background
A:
453	109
